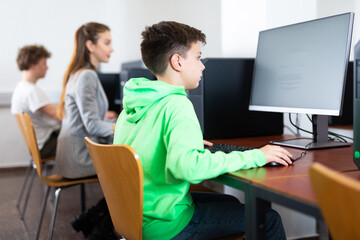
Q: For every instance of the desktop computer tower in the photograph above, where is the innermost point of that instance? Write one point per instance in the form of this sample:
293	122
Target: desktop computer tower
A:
221	101
356	122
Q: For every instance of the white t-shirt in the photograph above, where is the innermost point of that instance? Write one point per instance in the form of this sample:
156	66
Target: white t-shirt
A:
29	98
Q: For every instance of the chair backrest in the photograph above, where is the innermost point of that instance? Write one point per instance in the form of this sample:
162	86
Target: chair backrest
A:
21	127
120	175
339	200
30	139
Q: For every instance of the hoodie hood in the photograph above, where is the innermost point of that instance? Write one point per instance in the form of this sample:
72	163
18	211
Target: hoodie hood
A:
141	93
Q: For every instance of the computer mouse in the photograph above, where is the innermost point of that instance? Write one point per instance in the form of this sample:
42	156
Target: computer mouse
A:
275	164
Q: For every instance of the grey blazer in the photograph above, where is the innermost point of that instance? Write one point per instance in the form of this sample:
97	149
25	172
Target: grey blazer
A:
84	111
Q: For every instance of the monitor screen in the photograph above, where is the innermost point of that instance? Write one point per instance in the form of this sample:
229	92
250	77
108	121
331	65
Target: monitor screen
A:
301	68
111	85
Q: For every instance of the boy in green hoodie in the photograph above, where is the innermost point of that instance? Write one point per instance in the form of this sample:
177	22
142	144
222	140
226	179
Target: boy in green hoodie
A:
159	122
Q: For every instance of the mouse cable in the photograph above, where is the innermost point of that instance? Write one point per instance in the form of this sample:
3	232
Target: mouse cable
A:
302	154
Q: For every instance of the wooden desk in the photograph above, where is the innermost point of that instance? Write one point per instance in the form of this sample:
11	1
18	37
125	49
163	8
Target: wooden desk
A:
288	186
339	159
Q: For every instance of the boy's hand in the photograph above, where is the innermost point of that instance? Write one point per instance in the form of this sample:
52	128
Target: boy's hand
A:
207	143
277	154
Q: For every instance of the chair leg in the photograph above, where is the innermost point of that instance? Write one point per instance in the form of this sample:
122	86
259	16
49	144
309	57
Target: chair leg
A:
27	174
43	206
52	224
28	194
82	197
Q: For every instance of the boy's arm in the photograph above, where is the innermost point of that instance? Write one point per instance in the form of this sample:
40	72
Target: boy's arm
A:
186	157
51	110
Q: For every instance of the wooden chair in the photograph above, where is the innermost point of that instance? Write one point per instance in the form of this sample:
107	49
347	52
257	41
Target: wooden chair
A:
338	197
31	169
54	180
121	178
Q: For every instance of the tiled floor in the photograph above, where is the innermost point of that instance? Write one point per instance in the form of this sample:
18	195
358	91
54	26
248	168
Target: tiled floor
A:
12	228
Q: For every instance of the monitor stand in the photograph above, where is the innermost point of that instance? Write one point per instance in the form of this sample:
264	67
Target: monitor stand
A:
319	140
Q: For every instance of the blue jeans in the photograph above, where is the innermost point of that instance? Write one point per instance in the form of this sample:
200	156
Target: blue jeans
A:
217	215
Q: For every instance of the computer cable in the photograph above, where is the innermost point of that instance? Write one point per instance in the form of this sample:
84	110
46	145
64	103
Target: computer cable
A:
297	127
297	122
339	136
302	154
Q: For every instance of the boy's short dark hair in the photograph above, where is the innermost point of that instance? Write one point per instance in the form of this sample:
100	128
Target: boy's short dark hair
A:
30	55
162	40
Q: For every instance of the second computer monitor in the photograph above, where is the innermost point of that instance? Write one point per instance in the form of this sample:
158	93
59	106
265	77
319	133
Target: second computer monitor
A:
221	101
131	71
111	85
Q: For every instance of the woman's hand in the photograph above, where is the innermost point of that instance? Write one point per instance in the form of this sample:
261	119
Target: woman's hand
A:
110	115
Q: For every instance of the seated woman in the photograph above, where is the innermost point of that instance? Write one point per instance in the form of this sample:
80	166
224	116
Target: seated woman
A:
29	98
83	104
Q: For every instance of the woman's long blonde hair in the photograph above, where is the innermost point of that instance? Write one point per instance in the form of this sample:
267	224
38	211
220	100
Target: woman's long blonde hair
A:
81	55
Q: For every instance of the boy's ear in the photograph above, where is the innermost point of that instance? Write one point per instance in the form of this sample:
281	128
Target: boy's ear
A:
176	62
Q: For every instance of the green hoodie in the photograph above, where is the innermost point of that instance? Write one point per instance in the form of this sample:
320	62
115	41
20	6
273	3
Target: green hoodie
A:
159	122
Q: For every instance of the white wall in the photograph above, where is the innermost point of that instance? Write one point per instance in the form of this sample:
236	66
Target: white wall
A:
53	24
201	14
241	22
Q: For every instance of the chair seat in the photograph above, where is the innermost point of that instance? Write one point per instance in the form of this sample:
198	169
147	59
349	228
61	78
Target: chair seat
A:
59	181
48	159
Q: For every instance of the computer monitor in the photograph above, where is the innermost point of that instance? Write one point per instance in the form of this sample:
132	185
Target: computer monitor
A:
221	101
301	68
132	64
111	85
133	71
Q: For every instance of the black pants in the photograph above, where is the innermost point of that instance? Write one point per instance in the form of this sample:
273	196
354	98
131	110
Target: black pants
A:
49	148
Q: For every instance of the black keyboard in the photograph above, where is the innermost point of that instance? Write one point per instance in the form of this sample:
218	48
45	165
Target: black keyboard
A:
226	148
